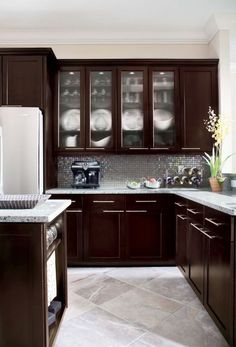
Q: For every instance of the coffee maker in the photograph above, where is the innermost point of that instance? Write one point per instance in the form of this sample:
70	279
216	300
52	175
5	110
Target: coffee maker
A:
86	174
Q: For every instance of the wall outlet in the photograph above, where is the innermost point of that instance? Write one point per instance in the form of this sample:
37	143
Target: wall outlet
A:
180	169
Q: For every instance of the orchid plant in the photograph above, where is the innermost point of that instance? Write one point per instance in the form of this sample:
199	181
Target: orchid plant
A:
219	127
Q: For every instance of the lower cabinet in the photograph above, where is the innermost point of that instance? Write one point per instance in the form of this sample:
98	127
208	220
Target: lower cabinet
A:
114	229
210	262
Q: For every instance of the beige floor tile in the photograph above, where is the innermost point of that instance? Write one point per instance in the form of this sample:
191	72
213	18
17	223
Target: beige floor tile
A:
141	307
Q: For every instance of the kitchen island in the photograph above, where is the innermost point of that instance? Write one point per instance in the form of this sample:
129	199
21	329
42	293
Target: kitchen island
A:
25	291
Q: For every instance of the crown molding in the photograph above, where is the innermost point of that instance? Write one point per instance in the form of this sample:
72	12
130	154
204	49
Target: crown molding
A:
49	37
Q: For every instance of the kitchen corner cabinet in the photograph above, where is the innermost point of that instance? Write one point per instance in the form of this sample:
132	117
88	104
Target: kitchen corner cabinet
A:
135	106
23	283
198	87
27	78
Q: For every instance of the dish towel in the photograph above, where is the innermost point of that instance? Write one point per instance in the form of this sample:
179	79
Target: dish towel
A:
51	278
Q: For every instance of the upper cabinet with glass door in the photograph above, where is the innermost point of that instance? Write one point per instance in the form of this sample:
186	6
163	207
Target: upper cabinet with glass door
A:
132	110
101	110
70	122
163	108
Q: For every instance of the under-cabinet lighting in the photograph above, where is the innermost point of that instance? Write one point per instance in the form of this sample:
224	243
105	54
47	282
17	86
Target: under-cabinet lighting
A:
101	73
71	73
162	73
131	73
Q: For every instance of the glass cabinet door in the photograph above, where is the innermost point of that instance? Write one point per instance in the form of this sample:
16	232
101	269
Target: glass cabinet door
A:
132	109
70	133
164	124
100	109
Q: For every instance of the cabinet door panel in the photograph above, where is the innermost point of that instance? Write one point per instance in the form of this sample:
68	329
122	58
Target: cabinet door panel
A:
144	235
23	81
101	108
132	112
182	242
103	236
164	100
71	127
196	258
199	91
74	235
218	298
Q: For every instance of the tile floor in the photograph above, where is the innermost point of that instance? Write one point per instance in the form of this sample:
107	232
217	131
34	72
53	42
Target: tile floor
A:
136	307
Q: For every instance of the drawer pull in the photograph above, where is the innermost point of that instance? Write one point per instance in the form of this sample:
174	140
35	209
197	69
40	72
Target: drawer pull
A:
135	148
182	216
190	148
73	200
210	220
179	204
146	201
160	148
74	211
113	211
103	201
204	232
136	211
193	211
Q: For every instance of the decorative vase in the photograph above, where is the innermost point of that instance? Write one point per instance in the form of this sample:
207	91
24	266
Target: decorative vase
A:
215	185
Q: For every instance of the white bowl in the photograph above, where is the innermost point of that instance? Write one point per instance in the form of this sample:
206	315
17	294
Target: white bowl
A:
162	119
70	120
100	120
132	120
101	143
153	185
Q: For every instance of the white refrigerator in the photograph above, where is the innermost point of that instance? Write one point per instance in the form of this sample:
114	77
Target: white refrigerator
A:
21	150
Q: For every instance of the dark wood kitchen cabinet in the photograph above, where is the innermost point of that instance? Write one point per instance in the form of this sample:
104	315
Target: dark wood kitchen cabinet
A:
104	228
23	283
147	228
28	79
196	247
136	106
74	227
181	220
219	265
210	260
199	90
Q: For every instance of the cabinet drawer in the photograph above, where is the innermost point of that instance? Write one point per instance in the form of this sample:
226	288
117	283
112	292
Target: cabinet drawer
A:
218	223
76	200
195	212
147	202
180	206
104	202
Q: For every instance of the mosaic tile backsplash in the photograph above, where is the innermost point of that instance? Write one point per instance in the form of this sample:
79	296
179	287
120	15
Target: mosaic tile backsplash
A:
118	169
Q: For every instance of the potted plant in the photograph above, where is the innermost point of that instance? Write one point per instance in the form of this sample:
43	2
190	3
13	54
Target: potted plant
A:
218	126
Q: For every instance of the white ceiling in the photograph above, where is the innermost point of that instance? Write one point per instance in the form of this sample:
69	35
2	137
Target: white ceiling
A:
76	21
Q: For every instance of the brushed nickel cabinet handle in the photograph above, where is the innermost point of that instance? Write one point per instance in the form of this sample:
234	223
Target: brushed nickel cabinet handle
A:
74	211
179	204
103	201
204	232
192	211
135	148
113	211
136	211
146	201
190	148
182	216
160	148
95	149
210	220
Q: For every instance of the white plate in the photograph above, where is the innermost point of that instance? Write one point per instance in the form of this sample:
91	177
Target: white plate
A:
101	143
162	119
132	119
70	120
100	120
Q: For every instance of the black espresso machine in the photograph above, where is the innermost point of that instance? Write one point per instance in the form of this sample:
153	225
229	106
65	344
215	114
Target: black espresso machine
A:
86	174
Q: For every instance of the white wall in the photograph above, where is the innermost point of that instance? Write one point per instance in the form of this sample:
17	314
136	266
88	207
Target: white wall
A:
155	51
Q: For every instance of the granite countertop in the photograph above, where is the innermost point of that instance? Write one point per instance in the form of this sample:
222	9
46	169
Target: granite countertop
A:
42	213
224	202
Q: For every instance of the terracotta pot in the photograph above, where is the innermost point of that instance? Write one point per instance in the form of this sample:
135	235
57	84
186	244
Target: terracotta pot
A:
215	185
